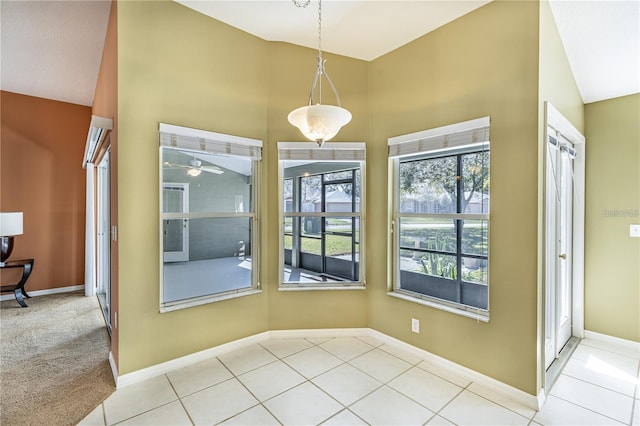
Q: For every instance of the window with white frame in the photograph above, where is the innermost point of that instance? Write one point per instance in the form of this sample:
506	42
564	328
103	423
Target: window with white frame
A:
322	197
441	217
208	228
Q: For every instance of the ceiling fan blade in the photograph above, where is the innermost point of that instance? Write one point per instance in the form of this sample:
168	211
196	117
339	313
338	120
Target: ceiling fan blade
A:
212	169
168	165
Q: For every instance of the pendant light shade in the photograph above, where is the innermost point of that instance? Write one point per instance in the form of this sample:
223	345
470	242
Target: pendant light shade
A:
318	122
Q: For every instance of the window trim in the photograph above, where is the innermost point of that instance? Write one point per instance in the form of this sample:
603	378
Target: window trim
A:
219	144
330	152
455	139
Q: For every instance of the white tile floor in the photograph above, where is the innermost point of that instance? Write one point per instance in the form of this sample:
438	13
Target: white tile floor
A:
358	381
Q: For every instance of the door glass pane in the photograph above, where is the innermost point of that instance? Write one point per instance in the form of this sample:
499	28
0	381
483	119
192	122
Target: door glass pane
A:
172	200
428	186
172	230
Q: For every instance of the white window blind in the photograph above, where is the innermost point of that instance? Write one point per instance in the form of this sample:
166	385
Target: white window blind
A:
460	135
330	151
211	142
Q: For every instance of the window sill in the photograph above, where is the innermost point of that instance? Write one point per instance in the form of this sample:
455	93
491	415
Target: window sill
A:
300	287
478	315
189	303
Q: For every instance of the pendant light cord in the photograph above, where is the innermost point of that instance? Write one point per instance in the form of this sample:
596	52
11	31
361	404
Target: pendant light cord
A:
320	29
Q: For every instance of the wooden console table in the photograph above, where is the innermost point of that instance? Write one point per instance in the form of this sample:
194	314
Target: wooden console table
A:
18	288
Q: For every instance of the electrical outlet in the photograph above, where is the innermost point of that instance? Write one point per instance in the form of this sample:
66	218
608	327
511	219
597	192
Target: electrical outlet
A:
634	230
415	325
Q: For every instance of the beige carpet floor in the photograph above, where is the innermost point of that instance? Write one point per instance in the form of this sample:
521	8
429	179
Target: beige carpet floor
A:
54	367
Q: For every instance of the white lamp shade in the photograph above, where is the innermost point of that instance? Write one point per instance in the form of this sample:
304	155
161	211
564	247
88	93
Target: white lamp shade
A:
319	122
10	224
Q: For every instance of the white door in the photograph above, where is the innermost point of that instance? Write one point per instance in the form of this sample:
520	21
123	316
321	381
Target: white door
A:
175	199
559	248
103	241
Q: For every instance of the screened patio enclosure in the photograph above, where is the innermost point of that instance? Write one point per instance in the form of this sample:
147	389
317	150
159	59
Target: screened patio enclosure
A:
321	212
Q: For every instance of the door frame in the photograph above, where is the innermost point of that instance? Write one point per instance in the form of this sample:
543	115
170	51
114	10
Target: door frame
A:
183	255
103	232
556	121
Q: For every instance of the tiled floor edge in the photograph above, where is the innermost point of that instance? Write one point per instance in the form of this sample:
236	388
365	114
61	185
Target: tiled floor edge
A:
528	400
174	364
627	344
531	401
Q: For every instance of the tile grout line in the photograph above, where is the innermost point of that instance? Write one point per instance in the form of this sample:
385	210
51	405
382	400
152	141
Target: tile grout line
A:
150	409
180	400
234	376
626	354
596	385
636	395
586	408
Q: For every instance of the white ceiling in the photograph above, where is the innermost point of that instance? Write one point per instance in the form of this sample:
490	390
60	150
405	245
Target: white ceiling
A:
52	49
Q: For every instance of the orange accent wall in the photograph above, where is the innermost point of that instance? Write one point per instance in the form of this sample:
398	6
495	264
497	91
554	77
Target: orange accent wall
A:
105	104
41	148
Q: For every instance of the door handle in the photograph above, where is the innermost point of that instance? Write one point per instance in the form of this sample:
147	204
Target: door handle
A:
563	256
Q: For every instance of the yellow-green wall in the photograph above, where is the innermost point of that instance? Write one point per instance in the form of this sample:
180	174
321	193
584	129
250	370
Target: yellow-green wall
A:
557	86
291	70
612	257
180	67
482	64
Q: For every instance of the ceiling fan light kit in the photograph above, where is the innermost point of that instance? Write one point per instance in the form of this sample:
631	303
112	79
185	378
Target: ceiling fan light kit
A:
319	122
195	167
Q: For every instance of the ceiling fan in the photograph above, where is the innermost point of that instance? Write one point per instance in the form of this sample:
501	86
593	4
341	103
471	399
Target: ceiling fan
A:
195	167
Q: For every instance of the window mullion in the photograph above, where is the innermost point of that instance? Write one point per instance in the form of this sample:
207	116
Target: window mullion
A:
459	225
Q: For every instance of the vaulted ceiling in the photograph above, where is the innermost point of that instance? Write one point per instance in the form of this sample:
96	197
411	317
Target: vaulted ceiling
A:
52	49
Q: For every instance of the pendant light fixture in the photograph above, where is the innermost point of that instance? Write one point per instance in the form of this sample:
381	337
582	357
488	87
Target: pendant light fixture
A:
316	121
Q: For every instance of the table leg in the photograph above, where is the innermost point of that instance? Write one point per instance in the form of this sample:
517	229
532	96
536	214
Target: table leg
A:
18	293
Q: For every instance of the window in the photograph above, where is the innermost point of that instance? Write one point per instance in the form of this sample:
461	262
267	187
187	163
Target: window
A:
441	217
208	216
321	197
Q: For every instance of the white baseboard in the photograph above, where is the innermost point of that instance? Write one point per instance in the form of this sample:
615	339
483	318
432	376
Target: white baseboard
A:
530	401
612	343
542	398
174	364
320	333
114	368
35	293
515	394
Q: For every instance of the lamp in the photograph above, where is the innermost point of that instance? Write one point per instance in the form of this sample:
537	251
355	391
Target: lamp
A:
319	122
10	225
